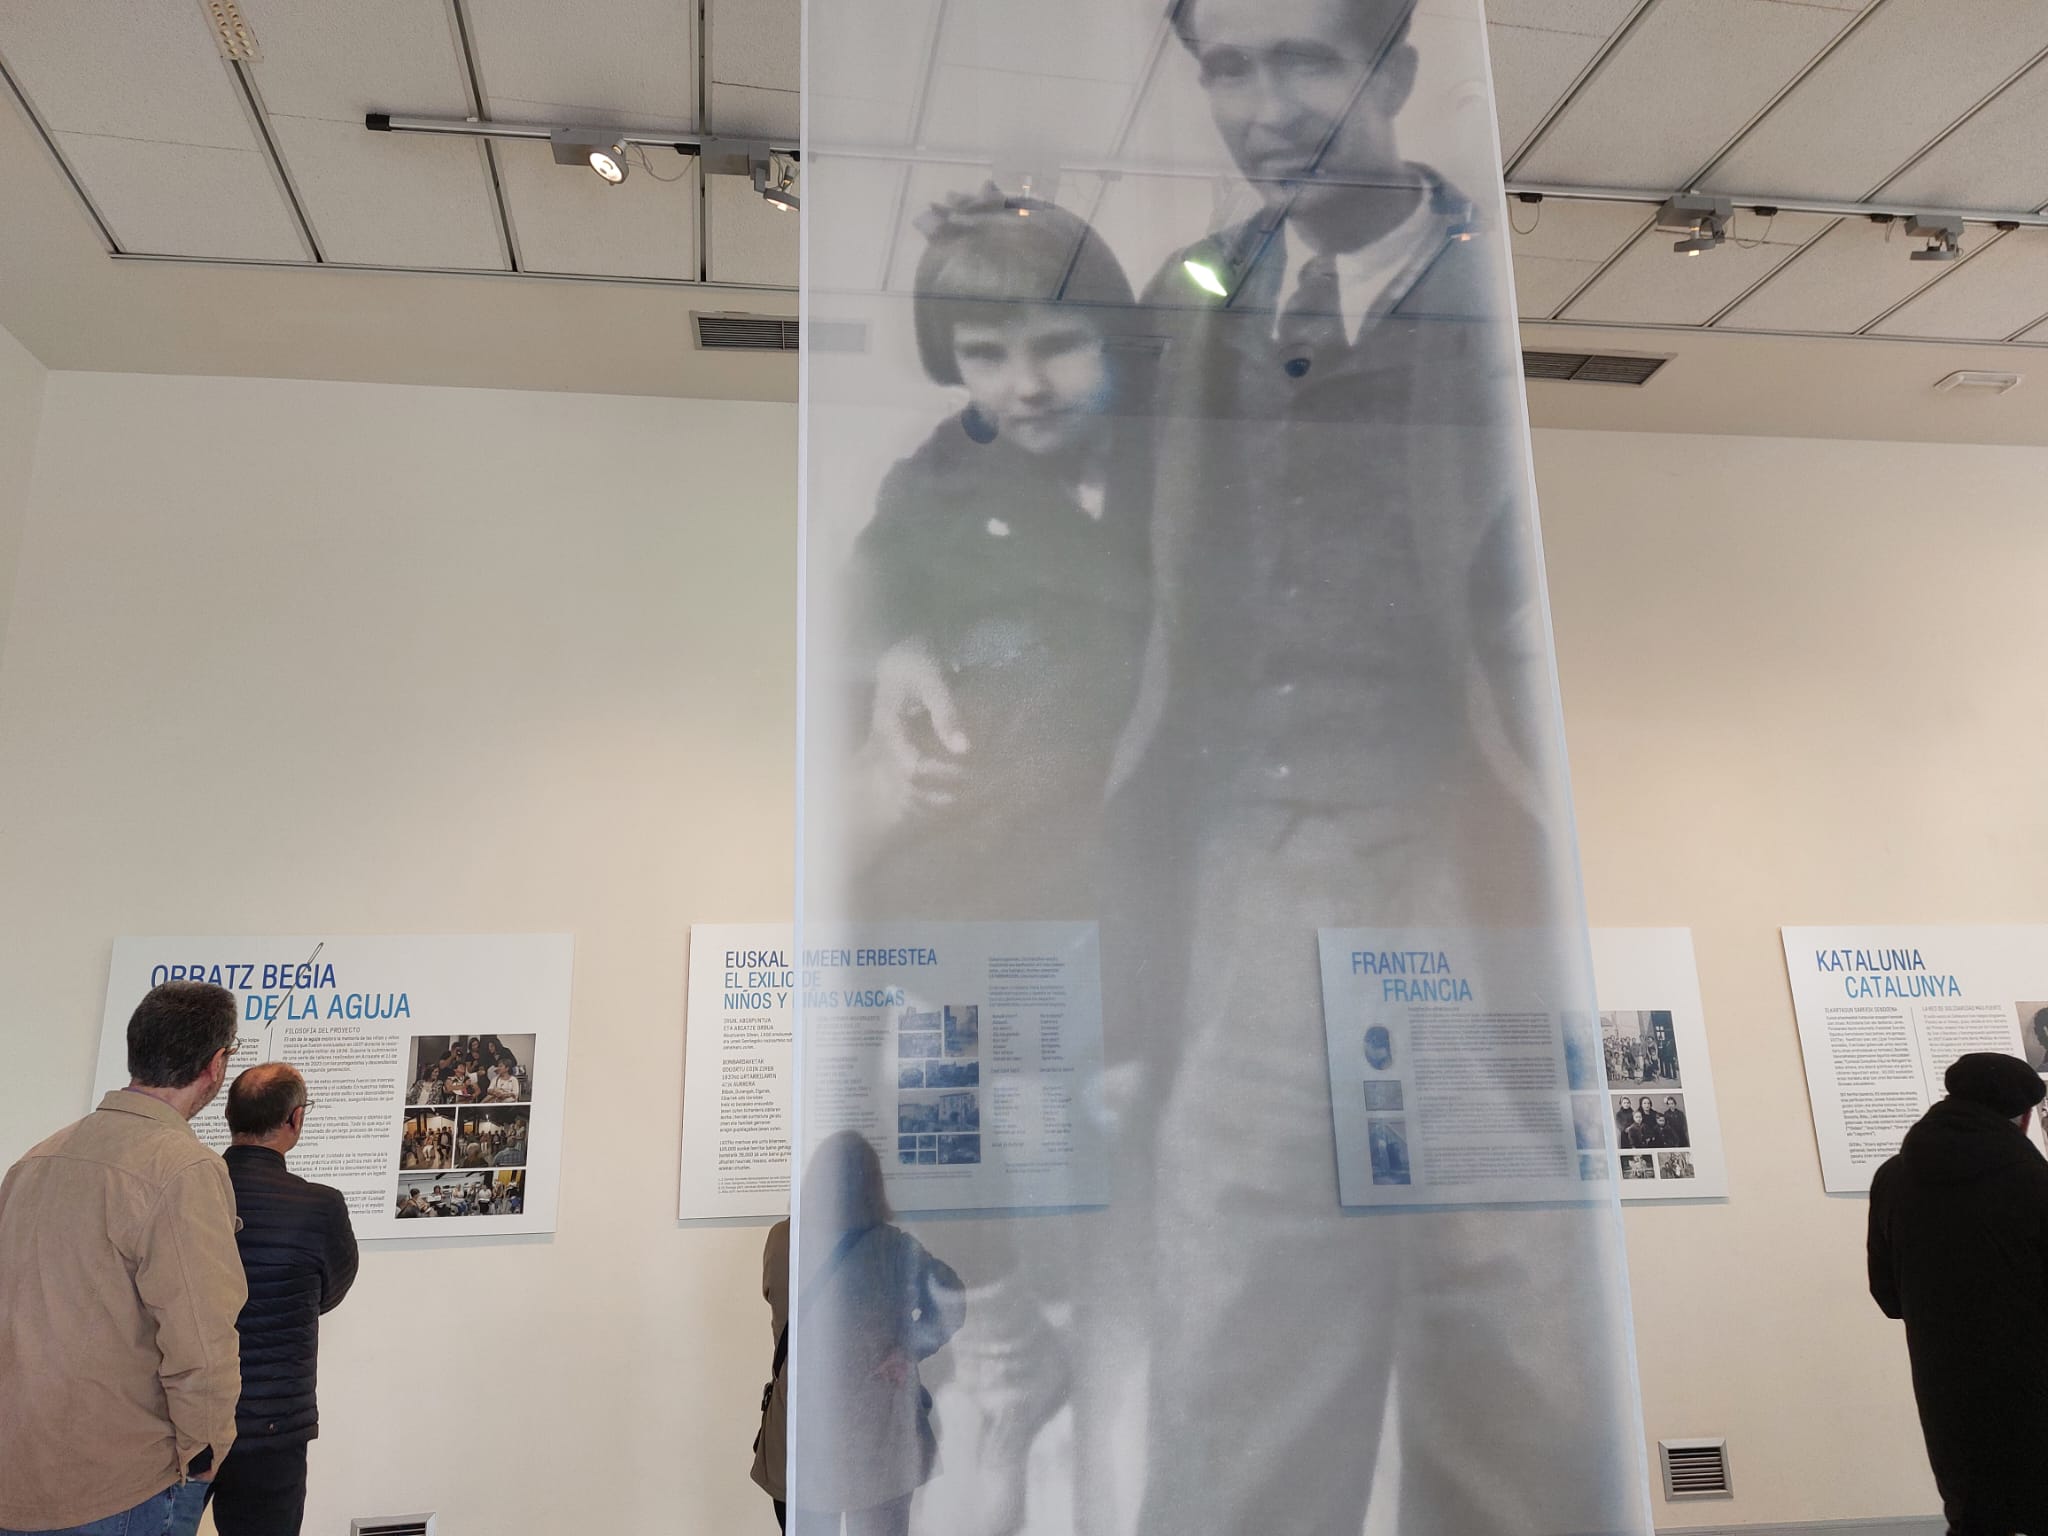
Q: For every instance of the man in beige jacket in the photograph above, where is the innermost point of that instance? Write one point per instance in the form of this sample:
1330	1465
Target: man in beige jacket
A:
119	1288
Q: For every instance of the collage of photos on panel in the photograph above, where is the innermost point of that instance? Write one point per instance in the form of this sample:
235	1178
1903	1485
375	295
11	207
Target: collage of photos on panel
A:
462	1145
938	1085
1627	1076
1386	1128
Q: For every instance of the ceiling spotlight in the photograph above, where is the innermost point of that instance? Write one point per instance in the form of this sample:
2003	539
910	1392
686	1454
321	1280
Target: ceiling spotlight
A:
601	149
1702	220
775	180
1944	237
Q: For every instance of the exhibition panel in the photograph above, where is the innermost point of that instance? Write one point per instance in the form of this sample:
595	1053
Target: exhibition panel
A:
1190	952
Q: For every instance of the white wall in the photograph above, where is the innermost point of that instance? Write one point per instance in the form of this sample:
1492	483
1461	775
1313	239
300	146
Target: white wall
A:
295	656
21	409
1803	683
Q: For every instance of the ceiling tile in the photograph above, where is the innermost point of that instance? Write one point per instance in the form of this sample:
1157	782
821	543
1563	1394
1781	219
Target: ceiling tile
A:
1676	89
753	111
1994	161
566	220
2038	334
756	42
746	239
1989	297
186	199
857	201
1532	69
392	199
341	61
607	63
867	68
1564	246
1909	72
1593	18
125	69
1652	285
1838	285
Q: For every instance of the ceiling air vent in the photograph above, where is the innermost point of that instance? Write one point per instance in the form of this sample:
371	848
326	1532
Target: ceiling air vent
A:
776	333
392	1525
1591	367
1695	1469
745	333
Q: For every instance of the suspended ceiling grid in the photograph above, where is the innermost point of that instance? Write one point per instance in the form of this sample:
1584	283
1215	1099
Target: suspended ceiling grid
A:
1929	103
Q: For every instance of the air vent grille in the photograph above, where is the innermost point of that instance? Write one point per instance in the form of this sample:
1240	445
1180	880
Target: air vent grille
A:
745	333
392	1525
1695	1469
1591	367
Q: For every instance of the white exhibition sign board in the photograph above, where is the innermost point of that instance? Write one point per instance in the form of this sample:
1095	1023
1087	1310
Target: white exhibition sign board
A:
434	1067
969	1053
1651	1067
1884	1011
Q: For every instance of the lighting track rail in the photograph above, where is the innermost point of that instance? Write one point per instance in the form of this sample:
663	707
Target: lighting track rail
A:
1882	213
693	144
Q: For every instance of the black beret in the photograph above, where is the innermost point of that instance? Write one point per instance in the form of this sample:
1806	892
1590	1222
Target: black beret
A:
1996	1081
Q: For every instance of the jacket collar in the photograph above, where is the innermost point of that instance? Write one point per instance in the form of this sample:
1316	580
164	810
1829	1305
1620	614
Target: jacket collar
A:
249	1152
126	1101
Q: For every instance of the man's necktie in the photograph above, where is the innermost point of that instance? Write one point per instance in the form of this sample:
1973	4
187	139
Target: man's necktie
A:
1313	320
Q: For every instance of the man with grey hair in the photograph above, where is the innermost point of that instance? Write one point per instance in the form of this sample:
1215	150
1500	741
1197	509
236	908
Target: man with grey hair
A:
119	1286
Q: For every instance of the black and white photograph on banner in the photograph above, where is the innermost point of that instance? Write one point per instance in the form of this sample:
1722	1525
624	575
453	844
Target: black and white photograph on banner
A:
1641	1048
1674	1165
471	1069
959	1149
938	1074
963	1029
929	1112
1383	1093
1590	1130
2034	1034
491	1138
911	1150
1379	1048
1639	1165
427	1139
485	1193
1583	1068
1646	1121
1388	1140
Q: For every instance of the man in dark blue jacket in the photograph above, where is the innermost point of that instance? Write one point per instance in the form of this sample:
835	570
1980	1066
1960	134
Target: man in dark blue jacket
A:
299	1253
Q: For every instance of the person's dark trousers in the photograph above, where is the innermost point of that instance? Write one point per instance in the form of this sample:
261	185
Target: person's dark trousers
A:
261	1491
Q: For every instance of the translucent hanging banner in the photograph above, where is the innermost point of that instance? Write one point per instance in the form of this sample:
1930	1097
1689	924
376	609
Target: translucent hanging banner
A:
1196	1127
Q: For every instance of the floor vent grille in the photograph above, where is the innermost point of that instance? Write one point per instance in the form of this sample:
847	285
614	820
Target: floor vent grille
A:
1591	367
392	1525
1695	1469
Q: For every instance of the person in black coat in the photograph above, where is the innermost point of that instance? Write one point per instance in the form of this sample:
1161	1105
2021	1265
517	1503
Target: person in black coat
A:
299	1253
1959	1251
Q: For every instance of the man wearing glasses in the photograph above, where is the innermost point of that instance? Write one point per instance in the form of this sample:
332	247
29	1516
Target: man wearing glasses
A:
299	1252
119	1286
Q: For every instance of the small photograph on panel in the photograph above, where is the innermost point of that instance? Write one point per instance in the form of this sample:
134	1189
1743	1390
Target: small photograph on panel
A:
1646	1121
951	1074
1582	1059
963	1030
427	1139
1674	1165
2034	1034
1379	1048
910	1075
1589	1122
959	1149
1388	1141
929	1112
1592	1165
923	1045
491	1138
470	1069
1638	1165
486	1193
1384	1093
1641	1049
927	1156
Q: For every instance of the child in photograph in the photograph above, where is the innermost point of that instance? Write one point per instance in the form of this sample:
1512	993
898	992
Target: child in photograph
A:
1001	593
